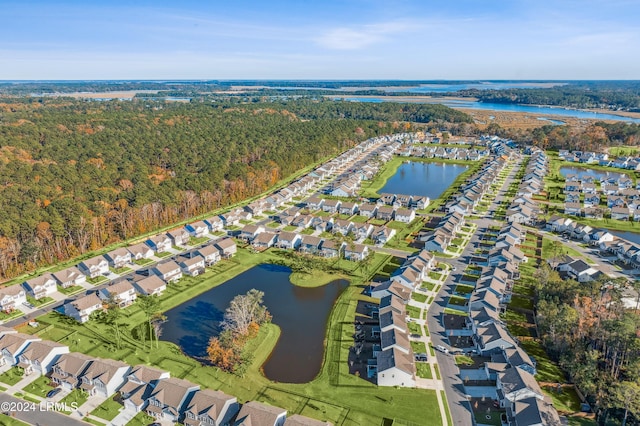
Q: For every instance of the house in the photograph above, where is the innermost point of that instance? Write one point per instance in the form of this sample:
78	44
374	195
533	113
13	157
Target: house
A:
348	208
591	200
381	235
385	213
572	208
256	208
11	297
342	226
151	285
209	407
140	251
249	232
517	357
68	369
167	401
140	381
12	345
303	221
169	271
69	277
362	230
395	339
82	308
532	412
309	244
214	223
179	237
620	213
118	258
515	384
331	206
437	242
226	247
331	249
255	413
367	210
94	267
298	420
581	271
492	338
122	293
356	252
265	240
314	203
405	215
615	201
391	288
40	287
159	243
103	377
192	266
289	240
197	229
395	368
210	254
39	356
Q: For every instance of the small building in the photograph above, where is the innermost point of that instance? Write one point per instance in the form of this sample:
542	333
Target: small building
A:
68	369
82	308
139	383
70	277
255	413
118	258
150	286
395	368
169	271
122	293
140	251
40	287
209	407
227	248
179	237
169	398
159	243
356	252
288	240
192	266
94	267
40	356
264	240
210	254
405	215
103	377
197	229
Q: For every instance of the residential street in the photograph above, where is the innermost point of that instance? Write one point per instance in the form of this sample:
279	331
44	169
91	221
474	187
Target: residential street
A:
459	406
37	415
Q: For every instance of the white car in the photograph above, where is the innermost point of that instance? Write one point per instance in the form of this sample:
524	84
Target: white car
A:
442	349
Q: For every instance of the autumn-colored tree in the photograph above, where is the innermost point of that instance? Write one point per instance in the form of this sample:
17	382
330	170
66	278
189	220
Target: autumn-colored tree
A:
221	357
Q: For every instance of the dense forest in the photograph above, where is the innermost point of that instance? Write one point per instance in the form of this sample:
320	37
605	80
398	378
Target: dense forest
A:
78	175
585	329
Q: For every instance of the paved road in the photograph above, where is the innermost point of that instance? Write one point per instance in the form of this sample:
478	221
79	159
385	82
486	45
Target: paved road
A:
36	414
461	411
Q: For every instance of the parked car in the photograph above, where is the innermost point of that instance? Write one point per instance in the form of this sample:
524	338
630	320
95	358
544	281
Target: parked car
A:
53	392
442	349
421	357
28	305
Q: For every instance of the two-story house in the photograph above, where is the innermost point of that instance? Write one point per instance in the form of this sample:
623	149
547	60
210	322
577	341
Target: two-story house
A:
151	285
40	287
169	271
121	293
140	381
94	267
70	277
68	369
103	377
82	308
167	401
118	258
210	408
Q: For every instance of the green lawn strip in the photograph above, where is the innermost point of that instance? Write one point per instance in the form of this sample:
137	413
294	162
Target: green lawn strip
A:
566	401
521	302
4	316
464	360
464	289
40	302
75	399
418	297
437	370
289	228
164	254
523	289
120	271
70	290
413	312
548	371
435	276
581	421
97	280
142	262
273	225
414	328
12	376
443	396
428	285
517	323
10	421
431	350
196	241
457	301
307	231
419	347
423	369
455	312
108	409
39	387
26	397
93	421
426	330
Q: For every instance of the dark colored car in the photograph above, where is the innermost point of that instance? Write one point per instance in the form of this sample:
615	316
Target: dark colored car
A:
53	392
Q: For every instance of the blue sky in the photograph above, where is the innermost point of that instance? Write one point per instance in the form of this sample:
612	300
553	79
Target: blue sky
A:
323	39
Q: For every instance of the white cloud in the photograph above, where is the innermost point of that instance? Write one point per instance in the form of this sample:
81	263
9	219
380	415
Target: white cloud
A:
345	38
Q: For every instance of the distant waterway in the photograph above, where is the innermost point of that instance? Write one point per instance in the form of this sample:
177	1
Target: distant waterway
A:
425	179
582	171
300	312
629	236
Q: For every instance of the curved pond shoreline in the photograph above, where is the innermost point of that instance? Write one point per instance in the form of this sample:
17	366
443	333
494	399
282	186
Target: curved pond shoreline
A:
301	313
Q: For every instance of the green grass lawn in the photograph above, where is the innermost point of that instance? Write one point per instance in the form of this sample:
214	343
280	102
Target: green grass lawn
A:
581	421
443	397
566	401
107	410
464	289
70	290
548	371
517	323
418	297
164	254
455	312
290	228
76	398
120	271
99	279
521	302
428	285
273	225
12	376
423	369
413	312
11	315
437	370
141	419
491	418
458	301
196	241
142	262
464	360
10	421
39	387
435	275
358	219
93	421
414	328
40	302
307	231
26	397
419	347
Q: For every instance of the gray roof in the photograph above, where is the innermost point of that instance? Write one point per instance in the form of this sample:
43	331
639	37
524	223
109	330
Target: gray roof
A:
514	379
298	420
533	411
396	358
258	414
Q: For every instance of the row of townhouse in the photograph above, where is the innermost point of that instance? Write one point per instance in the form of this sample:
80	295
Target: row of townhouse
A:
447	229
403	201
611	245
141	388
523	208
512	369
125	292
448	153
601	159
381	210
394	361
